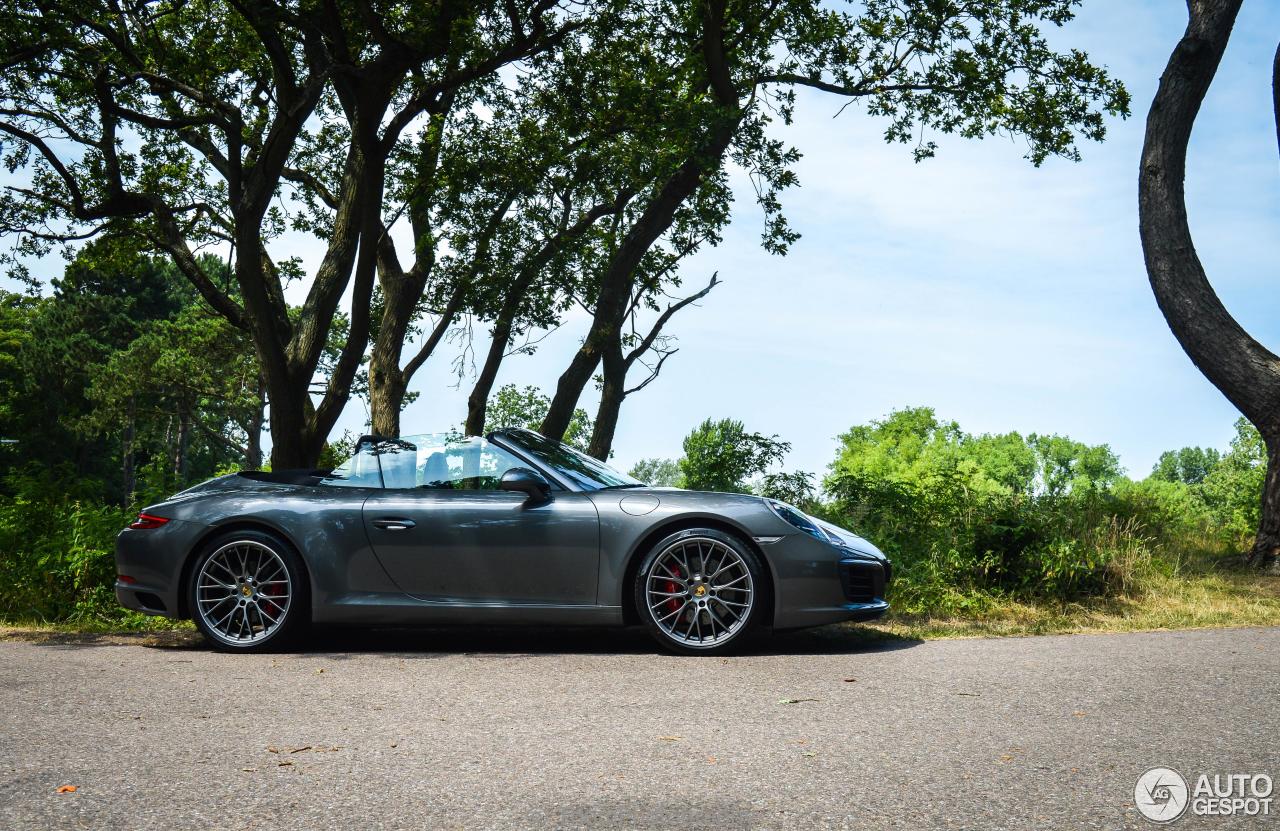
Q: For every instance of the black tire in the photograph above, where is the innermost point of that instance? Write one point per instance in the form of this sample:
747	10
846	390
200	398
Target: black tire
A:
738	633
296	615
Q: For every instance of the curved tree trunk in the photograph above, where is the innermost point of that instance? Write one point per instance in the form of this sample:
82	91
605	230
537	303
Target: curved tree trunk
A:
612	392
619	277
478	400
1244	370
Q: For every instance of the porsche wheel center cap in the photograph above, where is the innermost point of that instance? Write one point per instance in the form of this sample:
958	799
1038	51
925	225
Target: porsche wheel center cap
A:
246	590
699	590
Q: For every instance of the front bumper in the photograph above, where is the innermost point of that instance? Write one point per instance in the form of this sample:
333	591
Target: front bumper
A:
820	584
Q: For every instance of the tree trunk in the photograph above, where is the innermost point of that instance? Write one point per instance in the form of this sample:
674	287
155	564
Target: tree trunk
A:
126	452
253	431
401	292
1244	370
619	278
290	438
478	401
569	389
180	450
1266	546
612	393
386	397
388	382
1275	92
617	366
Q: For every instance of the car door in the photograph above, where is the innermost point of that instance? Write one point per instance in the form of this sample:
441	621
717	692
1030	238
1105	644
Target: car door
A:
444	531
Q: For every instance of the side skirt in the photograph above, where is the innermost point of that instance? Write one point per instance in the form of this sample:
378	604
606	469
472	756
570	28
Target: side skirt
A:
378	608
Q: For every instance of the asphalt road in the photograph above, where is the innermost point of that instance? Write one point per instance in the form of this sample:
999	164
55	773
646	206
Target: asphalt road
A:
431	730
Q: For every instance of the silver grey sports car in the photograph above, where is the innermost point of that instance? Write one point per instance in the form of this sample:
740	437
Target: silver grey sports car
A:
508	529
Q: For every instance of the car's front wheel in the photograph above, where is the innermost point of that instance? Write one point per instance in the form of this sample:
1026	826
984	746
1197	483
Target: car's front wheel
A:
248	592
700	591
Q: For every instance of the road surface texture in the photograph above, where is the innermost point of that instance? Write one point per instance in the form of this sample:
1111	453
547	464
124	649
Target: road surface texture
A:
592	729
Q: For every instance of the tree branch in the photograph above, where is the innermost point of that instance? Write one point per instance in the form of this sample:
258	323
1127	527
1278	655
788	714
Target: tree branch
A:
653	373
665	317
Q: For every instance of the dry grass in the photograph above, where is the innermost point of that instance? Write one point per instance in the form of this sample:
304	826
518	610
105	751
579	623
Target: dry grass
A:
1188	601
66	634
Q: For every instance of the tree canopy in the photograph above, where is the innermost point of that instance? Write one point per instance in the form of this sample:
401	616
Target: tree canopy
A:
724	456
538	156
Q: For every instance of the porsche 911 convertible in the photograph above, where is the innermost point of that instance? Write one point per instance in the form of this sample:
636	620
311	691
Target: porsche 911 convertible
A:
512	528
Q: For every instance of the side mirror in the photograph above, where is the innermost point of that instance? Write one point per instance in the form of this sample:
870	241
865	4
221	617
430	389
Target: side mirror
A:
528	482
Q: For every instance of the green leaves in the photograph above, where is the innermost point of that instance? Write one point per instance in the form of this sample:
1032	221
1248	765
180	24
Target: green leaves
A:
512	406
723	456
660	473
990	513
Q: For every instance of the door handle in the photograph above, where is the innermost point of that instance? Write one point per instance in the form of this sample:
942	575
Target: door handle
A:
393	524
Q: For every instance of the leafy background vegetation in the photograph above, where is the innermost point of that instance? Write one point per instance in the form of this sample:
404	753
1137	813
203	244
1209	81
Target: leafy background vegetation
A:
112	399
977	524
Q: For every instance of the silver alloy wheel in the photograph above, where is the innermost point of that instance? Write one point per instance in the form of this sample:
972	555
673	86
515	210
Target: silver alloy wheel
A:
243	592
699	592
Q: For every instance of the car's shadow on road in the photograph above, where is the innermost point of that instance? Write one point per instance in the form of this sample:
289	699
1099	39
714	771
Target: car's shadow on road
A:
436	642
410	642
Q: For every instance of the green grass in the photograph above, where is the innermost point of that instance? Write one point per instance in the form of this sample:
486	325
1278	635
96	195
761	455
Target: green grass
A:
96	624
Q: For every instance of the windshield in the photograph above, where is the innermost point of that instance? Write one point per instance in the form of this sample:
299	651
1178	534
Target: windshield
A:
578	467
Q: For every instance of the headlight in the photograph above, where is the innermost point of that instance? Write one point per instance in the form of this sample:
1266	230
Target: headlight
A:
850	541
794	517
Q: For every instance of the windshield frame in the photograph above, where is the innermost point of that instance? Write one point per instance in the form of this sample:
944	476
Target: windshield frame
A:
584	477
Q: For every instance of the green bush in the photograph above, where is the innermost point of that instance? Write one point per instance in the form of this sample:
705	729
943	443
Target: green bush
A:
972	520
57	561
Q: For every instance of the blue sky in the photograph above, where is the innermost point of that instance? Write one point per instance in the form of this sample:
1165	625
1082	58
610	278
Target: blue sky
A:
1005	296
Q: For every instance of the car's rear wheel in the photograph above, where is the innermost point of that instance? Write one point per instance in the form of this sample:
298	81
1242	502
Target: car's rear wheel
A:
700	592
248	592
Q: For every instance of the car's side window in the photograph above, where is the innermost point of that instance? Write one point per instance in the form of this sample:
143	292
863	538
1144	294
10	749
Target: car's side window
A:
360	471
445	462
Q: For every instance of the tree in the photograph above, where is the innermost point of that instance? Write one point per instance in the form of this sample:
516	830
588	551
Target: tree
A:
194	374
16	314
723	456
515	407
623	350
1231	488
124	375
1242	369
599	126
974	68
660	473
1190	465
1068	466
506	177
183	125
914	448
793	487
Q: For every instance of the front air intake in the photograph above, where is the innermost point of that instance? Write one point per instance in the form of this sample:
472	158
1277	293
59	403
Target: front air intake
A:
862	580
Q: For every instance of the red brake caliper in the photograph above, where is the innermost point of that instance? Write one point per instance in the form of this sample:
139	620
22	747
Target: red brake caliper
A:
673	603
272	592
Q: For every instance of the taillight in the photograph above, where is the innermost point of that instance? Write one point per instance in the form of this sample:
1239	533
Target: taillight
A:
147	521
